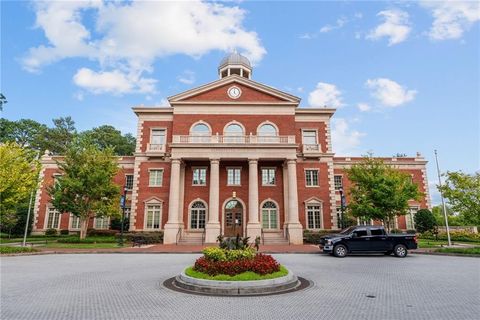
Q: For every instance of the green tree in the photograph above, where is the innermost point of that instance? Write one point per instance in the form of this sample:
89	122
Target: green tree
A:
379	192
463	194
107	136
61	135
24	132
18	176
86	188
424	220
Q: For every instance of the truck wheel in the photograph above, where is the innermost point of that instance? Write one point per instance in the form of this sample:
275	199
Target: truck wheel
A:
340	251
400	251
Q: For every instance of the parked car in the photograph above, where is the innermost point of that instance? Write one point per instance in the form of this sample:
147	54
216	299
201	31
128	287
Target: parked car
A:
359	239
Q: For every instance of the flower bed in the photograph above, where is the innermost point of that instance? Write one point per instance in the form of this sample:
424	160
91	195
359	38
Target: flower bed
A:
245	276
261	264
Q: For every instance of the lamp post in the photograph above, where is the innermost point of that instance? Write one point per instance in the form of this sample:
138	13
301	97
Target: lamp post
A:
342	207
123	201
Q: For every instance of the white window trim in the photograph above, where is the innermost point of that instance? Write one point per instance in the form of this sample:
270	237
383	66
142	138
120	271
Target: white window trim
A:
274	176
95	223
334	187
278	213
318	177
244	133
155	169
201	122
133	181
158	128
153	202
206	174
70	224
47	213
270	123
312	129
189	221
234	185
314	202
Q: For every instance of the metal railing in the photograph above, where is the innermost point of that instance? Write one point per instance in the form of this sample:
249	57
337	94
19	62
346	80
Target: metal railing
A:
287	233
263	236
203	235
250	139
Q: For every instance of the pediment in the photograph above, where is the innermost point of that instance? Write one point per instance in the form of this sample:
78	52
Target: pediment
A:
251	92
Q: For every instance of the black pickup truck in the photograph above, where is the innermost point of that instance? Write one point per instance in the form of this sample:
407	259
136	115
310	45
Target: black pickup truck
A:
359	239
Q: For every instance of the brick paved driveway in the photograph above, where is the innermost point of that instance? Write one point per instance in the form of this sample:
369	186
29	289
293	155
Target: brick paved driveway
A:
126	286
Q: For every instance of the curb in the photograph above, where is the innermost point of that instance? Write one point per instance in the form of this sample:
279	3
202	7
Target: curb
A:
433	253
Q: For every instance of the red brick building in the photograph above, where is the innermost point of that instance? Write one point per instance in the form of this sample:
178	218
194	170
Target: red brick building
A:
231	157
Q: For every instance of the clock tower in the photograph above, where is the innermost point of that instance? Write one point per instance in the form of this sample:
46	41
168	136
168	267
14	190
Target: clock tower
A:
235	63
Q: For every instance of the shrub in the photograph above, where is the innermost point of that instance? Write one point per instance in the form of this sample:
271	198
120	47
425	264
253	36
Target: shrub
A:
424	220
87	240
145	237
314	236
51	232
235	243
248	253
95	232
261	264
9	250
454	235
64	232
214	254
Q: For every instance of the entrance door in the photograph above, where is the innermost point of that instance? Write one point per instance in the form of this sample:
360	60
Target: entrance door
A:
233	219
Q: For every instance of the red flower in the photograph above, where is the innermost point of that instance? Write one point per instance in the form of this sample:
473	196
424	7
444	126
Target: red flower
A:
261	264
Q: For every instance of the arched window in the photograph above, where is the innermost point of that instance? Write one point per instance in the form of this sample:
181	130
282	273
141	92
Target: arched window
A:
267	133
198	213
269	215
234	133
200	132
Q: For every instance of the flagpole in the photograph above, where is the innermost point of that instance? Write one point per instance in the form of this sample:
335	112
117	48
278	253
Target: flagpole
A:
443	201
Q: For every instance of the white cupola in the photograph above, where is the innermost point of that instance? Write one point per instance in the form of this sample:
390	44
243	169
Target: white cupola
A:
235	63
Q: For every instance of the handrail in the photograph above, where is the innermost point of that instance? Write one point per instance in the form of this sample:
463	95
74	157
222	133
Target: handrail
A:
288	235
177	238
263	236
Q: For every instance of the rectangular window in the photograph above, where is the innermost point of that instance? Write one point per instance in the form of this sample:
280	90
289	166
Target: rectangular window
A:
409	218
154	213
233	176
314	216
157	137
268	176
338	182
156	178
311	178
53	218
129	181
75	222
309	137
102	222
199	177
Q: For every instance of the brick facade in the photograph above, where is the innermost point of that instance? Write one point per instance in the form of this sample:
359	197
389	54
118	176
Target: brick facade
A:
282	152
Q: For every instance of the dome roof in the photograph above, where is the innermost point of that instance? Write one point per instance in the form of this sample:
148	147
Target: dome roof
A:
235	58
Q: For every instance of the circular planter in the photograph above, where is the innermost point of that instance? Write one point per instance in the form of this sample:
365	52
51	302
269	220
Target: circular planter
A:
236	288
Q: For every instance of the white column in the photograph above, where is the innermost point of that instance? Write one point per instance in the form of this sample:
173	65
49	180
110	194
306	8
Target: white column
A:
173	224
295	229
253	226
285	194
212	229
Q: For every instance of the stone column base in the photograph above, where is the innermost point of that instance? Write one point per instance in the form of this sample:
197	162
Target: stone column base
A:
295	230
254	230
212	231
170	233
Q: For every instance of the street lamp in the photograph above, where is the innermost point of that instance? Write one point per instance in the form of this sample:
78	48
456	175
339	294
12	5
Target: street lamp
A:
342	207
123	201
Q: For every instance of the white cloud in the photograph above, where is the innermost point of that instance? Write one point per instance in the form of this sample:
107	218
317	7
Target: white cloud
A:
325	95
395	27
126	37
389	93
112	82
452	18
345	140
364	107
188	77
339	23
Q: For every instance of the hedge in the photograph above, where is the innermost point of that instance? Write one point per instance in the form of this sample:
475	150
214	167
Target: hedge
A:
10	250
454	235
145	237
314	236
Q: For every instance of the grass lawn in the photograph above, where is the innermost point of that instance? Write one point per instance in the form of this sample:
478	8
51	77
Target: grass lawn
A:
33	239
246	276
425	243
474	250
8	250
54	245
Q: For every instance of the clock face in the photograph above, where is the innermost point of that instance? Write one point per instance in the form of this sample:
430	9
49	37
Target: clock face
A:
234	92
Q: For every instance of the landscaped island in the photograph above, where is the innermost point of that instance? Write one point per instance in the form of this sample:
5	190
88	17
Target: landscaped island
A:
236	268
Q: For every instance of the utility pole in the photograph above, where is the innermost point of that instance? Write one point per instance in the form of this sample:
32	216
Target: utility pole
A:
443	201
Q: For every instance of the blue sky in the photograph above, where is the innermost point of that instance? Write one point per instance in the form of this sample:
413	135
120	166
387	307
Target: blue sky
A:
403	75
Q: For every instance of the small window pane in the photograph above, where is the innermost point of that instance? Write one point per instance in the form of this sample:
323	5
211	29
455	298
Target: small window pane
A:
233	130
199	176
314	216
153	216
233	176
129	181
311	177
338	182
268	176
200	129
158	136
53	219
309	137
156	178
198	215
267	130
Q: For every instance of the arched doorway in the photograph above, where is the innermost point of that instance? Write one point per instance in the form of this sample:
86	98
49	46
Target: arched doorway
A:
233	219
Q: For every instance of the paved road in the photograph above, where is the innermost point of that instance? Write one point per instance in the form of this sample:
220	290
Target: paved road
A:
128	286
